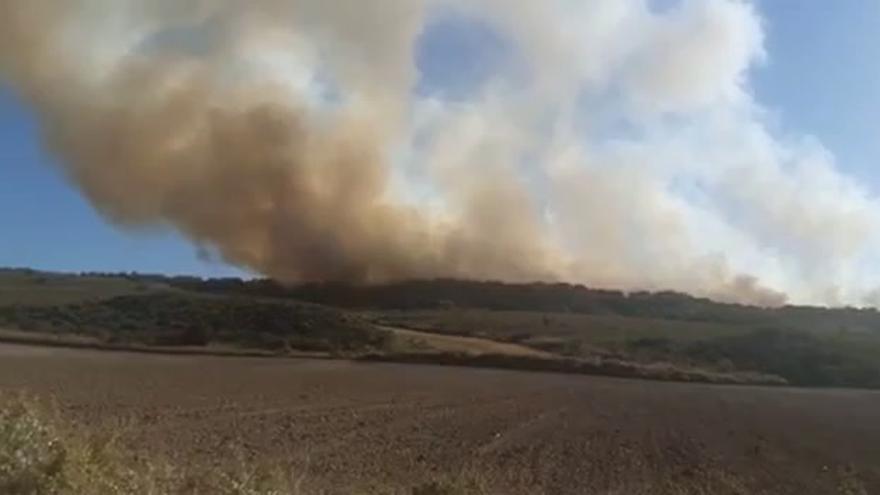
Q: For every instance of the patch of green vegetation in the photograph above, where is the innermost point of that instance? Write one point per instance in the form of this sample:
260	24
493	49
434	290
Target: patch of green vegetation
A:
801	358
36	288
180	319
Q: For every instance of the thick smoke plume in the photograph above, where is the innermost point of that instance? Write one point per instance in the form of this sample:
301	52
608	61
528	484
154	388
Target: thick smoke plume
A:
614	144
237	157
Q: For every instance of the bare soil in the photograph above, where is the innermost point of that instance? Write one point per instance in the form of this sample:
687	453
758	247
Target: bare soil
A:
354	427
457	344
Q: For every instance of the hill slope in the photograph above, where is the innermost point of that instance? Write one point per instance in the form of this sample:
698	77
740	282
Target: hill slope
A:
535	326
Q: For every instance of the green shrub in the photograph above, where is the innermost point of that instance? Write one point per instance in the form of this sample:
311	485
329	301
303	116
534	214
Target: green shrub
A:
173	319
801	358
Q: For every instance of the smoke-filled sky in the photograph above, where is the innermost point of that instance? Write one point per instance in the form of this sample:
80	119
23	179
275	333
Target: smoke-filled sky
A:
720	147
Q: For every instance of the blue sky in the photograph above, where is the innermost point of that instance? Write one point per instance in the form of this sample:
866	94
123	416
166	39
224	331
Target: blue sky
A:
48	225
822	78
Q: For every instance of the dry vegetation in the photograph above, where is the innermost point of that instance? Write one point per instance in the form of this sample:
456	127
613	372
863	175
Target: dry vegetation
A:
43	454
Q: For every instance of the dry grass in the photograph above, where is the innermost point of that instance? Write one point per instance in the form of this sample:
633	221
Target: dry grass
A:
33	288
405	340
42	455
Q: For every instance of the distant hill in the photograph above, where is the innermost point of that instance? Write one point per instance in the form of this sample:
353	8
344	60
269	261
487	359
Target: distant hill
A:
542	297
144	309
805	345
556	327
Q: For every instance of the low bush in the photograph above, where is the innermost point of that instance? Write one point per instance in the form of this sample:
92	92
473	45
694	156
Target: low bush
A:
801	358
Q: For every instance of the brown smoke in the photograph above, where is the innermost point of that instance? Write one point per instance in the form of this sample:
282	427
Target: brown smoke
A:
254	172
246	163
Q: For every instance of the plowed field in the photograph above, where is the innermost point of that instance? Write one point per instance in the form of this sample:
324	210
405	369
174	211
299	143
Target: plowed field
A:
362	427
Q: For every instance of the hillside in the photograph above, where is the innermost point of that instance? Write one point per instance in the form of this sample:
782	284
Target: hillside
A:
130	309
548	298
535	326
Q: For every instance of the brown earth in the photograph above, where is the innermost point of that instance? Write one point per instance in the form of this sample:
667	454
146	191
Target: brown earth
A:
369	427
457	344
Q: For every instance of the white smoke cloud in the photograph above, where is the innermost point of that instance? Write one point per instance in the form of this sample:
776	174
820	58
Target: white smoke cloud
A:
696	56
625	149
